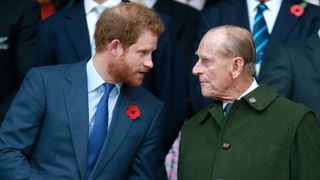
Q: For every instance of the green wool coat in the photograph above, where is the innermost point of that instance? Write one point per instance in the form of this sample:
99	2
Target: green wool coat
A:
264	137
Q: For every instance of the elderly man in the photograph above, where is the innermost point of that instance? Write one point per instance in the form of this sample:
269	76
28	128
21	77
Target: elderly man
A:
262	135
90	120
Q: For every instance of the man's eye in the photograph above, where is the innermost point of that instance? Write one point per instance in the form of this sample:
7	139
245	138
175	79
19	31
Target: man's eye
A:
143	53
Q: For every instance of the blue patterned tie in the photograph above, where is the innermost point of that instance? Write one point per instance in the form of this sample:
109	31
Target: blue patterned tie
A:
99	130
260	35
226	109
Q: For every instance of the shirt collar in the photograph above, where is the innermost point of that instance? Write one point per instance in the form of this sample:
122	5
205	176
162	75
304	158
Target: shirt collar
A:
271	4
149	3
94	79
90	4
253	86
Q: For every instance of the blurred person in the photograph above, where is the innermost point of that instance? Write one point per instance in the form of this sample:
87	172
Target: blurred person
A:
197	4
90	120
250	132
47	8
293	70
18	33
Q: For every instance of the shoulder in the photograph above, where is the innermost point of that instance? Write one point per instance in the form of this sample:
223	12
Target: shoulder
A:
197	118
288	105
291	50
16	9
267	101
18	5
219	6
57	72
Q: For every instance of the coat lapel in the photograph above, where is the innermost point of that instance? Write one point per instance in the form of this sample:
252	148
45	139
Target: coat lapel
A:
214	110
313	51
75	24
76	98
284	24
119	128
238	13
217	113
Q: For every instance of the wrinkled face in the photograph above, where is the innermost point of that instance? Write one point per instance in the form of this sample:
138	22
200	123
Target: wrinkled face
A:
213	70
136	61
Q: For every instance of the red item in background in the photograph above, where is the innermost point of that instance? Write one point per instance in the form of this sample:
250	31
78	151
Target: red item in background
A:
47	11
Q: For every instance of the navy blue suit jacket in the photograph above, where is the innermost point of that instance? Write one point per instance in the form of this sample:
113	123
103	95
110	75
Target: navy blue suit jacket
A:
64	38
294	72
234	12
45	132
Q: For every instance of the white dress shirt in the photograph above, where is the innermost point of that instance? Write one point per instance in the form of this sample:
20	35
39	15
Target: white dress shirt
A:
197	4
270	14
92	17
95	93
148	3
253	86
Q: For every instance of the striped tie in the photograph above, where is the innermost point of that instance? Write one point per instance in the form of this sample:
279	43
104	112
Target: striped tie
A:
260	35
226	109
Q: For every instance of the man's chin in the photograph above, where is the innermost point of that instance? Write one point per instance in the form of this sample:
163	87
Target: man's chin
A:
205	94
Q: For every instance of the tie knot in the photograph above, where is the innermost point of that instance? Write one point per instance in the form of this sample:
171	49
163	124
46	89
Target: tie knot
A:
99	9
261	7
108	87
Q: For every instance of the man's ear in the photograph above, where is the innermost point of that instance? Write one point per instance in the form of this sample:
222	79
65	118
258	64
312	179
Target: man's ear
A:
115	47
237	67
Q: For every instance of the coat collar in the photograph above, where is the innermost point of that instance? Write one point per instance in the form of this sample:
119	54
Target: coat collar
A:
258	99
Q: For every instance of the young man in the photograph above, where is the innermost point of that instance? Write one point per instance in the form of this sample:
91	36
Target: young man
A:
63	124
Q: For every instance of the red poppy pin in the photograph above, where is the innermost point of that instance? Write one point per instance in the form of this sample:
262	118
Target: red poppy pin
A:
298	9
133	112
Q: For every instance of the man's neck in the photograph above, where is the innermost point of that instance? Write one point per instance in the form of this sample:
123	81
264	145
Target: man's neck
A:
239	88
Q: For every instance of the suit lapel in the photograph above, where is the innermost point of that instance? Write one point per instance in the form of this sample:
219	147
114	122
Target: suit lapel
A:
75	24
283	25
238	13
313	51
76	98
118	129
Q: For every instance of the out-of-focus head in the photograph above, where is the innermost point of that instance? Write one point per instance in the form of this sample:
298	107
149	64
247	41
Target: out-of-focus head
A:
125	22
226	55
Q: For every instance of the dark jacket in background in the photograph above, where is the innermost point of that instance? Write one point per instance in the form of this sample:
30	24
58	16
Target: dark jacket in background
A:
18	32
293	71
